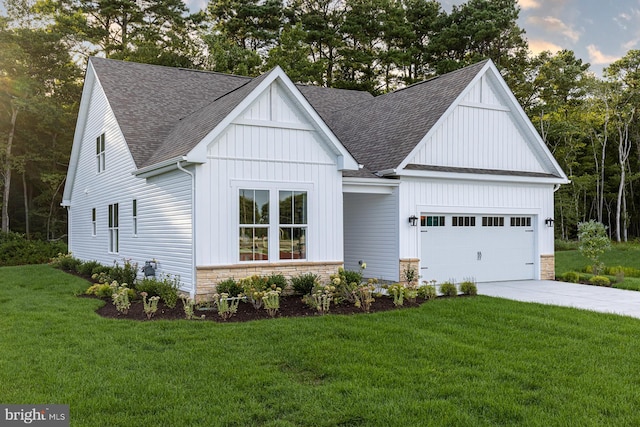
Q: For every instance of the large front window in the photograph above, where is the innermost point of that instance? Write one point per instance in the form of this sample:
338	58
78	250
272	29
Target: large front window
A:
263	238
254	225
293	224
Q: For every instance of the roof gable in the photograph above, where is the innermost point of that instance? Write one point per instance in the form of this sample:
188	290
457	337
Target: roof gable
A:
242	100
484	129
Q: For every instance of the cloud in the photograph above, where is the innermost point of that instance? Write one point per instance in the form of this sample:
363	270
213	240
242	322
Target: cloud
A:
551	24
529	4
537	46
598	58
195	5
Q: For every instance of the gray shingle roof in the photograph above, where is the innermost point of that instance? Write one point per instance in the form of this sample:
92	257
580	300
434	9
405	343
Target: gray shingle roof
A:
381	132
149	100
165	112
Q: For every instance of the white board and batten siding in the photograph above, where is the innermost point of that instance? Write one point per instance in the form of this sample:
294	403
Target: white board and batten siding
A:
163	203
271	145
479	133
371	234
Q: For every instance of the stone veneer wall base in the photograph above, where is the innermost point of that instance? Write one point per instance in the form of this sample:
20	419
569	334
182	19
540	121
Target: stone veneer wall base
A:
208	277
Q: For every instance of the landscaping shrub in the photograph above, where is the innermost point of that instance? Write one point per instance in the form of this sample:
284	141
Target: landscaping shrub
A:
593	243
468	287
254	288
276	280
229	287
65	262
166	288
571	277
427	291
600	281
87	268
304	283
101	290
346	282
15	249
127	273
448	289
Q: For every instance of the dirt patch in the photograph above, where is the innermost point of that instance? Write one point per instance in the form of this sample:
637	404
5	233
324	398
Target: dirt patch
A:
290	306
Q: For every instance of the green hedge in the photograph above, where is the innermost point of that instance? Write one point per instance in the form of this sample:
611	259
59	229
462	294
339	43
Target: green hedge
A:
15	249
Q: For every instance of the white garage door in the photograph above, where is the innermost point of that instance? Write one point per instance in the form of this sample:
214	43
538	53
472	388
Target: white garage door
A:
479	247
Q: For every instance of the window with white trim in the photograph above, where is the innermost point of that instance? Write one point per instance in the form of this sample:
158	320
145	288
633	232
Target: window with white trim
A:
100	153
273	224
94	222
254	225
134	217
293	224
114	229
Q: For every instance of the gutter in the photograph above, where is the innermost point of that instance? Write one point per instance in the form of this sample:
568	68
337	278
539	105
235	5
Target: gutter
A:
193	225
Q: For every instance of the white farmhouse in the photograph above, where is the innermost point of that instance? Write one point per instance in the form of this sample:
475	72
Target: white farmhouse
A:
216	176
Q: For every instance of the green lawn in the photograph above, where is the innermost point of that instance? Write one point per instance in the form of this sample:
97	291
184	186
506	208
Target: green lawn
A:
464	361
621	254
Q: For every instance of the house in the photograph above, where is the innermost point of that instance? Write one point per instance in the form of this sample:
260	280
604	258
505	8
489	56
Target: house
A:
215	176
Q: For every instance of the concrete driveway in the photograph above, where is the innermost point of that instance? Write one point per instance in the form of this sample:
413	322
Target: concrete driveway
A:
595	298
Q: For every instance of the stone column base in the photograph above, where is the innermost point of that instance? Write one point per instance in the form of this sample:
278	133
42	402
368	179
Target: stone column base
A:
408	265
547	267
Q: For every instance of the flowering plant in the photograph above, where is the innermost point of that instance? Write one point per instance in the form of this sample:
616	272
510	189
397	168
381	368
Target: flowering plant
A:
271	300
150	305
227	307
120	297
320	298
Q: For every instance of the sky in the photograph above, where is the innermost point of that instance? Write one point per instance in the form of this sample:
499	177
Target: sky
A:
598	31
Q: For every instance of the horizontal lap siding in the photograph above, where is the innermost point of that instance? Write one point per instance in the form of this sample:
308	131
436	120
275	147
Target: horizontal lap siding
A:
371	234
164	216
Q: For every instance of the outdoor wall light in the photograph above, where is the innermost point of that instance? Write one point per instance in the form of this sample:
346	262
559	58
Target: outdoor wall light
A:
549	222
413	220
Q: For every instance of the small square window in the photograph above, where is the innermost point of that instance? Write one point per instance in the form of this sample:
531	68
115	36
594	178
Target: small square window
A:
432	221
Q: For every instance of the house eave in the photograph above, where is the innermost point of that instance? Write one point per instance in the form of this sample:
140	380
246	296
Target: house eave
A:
369	185
492	176
161	167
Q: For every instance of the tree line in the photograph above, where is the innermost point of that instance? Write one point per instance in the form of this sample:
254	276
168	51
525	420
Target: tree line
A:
588	122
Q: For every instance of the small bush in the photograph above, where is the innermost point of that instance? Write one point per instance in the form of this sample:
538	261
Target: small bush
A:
304	283
127	273
571	277
468	287
101	290
427	291
448	289
278	280
65	262
166	288
600	281
353	276
87	268
229	287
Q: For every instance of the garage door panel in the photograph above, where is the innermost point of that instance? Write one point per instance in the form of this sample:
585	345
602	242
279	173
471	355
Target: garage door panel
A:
491	250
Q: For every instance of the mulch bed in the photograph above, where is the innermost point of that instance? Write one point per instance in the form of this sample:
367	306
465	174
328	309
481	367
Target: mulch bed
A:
290	306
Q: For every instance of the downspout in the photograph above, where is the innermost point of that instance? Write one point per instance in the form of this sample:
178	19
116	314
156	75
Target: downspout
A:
193	226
